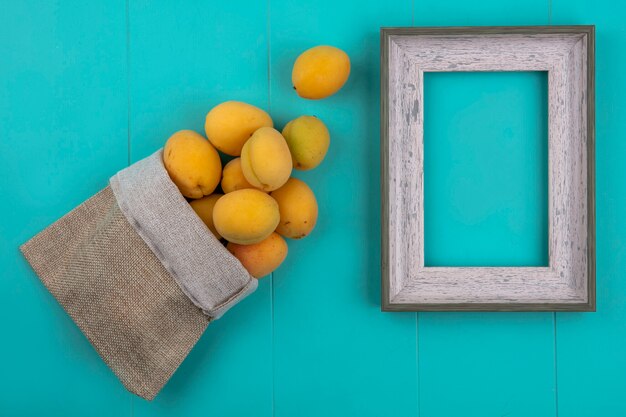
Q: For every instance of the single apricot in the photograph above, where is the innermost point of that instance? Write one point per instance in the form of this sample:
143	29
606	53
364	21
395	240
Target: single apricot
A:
308	140
265	159
298	209
320	72
233	178
229	125
192	163
245	216
260	259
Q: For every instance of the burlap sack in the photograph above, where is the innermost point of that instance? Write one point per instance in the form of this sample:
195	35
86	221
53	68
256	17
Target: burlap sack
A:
139	273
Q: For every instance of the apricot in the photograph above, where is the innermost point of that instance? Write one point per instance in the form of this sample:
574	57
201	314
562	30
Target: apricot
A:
204	209
233	178
265	159
245	216
320	72
308	140
260	259
229	125
298	209
192	163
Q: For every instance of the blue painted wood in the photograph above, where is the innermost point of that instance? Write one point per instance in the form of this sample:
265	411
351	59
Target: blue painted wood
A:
63	131
313	341
480	13
335	353
184	59
486	185
590	346
486	363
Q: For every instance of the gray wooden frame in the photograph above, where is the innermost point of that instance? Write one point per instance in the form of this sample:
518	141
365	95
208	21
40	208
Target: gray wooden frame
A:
567	54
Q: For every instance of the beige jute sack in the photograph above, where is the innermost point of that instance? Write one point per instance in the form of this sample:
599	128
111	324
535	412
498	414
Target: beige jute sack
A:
139	273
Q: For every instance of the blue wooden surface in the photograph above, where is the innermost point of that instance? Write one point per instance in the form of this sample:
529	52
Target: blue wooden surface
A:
88	87
492	204
63	130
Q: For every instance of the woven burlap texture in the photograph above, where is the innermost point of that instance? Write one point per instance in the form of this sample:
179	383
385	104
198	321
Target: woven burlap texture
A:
118	293
139	273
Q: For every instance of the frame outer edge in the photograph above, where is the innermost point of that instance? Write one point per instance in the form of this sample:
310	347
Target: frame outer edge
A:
489	30
384	169
590	305
591	167
492	307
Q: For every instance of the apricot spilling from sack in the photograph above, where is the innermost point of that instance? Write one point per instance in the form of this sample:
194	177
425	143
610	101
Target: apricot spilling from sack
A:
260	259
308	140
298	209
265	159
245	216
320	72
204	209
192	163
233	178
229	125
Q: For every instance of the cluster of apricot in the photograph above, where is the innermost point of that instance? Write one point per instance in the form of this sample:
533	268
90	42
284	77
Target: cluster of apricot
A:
259	203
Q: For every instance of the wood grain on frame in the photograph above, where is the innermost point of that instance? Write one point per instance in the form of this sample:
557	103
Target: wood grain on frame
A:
568	283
